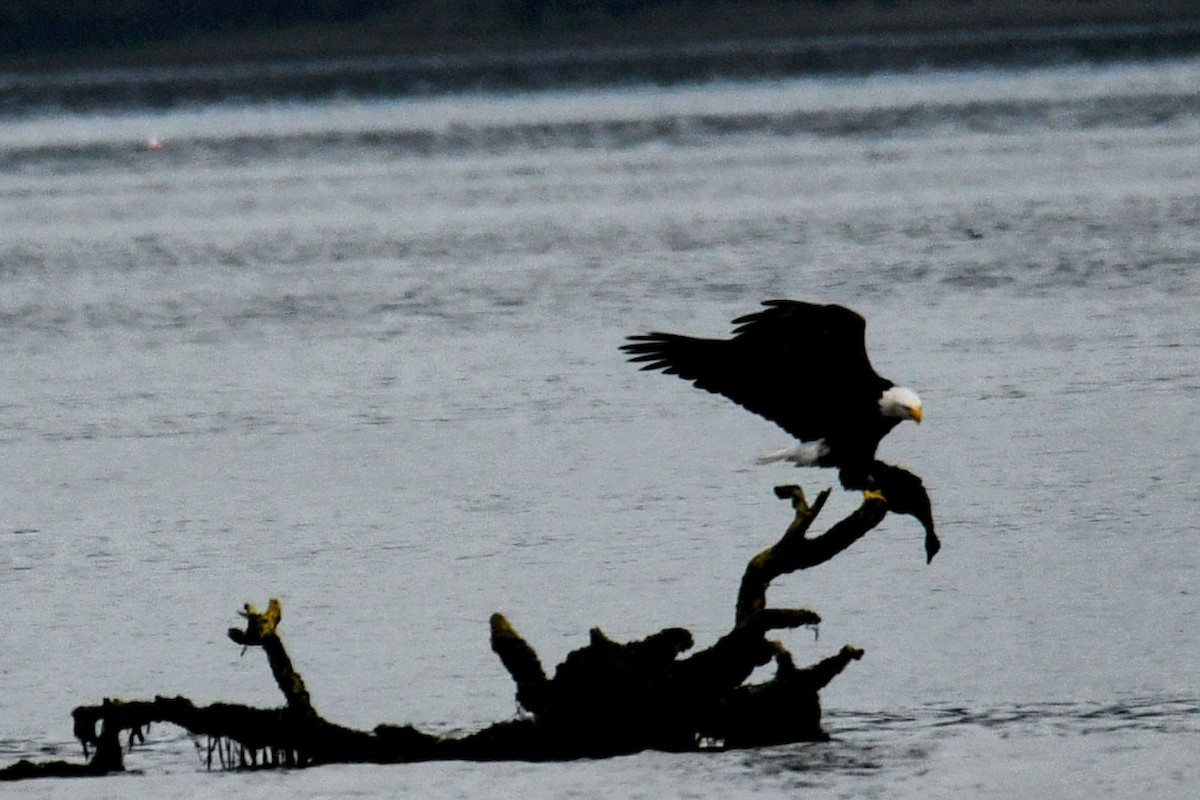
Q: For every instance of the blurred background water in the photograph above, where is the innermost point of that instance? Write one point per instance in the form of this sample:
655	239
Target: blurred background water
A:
362	355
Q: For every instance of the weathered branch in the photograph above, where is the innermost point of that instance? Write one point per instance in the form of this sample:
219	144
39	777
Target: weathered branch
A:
737	654
795	551
522	663
260	632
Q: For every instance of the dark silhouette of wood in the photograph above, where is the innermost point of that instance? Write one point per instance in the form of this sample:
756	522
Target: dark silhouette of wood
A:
605	699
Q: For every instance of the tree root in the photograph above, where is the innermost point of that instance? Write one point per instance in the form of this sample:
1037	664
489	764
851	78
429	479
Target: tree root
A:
605	699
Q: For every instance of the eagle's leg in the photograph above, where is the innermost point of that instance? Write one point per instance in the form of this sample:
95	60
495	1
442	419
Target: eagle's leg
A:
873	494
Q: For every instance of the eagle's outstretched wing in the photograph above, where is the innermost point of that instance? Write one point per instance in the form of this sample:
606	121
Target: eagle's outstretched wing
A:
801	365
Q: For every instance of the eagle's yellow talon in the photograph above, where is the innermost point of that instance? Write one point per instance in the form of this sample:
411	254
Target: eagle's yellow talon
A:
873	494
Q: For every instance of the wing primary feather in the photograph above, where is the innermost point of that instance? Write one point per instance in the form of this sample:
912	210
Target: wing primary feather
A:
800	365
674	354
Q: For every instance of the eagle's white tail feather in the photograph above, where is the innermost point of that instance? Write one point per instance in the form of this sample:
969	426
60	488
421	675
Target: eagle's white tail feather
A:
803	455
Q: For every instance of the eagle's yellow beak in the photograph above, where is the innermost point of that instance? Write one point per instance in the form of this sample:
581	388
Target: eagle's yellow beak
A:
915	413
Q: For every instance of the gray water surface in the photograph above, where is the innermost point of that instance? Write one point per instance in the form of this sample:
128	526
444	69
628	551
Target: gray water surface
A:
362	356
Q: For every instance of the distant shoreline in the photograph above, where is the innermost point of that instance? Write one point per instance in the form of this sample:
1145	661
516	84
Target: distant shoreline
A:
435	28
368	58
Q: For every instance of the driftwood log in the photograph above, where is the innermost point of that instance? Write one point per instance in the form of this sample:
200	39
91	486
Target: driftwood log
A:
605	699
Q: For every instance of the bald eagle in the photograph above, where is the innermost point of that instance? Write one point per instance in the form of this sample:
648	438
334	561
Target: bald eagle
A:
804	367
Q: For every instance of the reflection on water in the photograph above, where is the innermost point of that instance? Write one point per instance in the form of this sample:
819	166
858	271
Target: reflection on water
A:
1150	714
942	747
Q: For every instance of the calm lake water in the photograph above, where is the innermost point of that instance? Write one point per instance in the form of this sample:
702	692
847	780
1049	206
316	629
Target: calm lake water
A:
362	356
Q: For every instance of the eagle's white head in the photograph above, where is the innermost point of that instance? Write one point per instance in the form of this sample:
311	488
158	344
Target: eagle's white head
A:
900	403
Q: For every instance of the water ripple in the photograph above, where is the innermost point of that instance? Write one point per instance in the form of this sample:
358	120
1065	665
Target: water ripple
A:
1156	714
